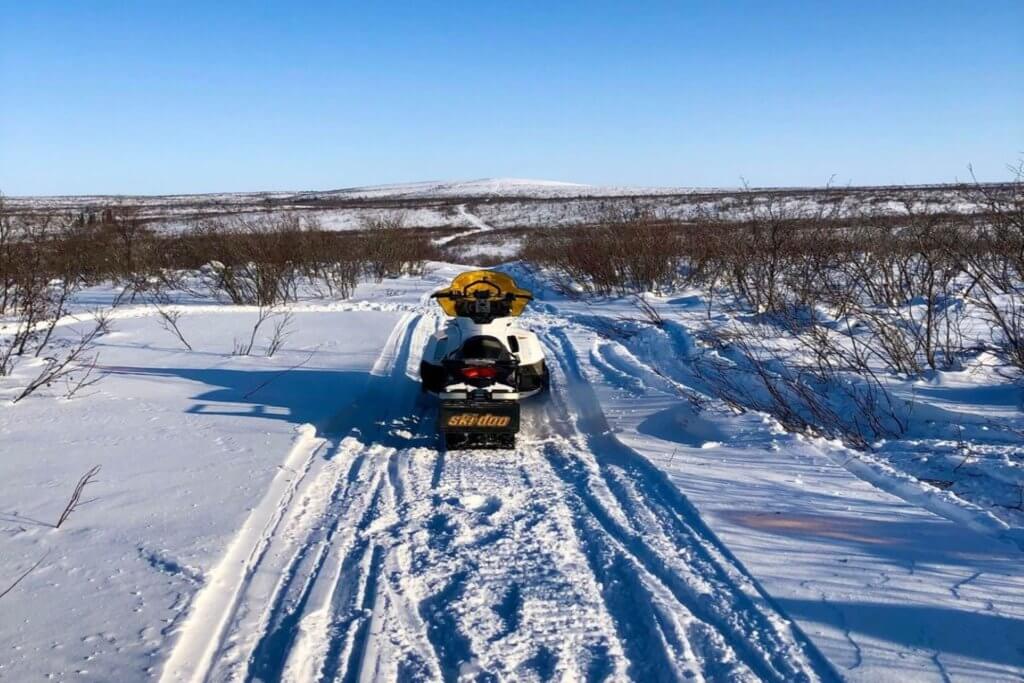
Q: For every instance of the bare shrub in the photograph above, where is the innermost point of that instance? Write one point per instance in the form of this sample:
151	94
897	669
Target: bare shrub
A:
46	259
853	406
648	311
854	292
996	269
256	260
280	334
333	262
8	278
169	321
383	238
260	259
390	249
85	377
619	255
75	501
43	277
278	337
74	360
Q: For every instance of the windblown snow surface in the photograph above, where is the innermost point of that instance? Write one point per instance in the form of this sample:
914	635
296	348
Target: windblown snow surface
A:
292	518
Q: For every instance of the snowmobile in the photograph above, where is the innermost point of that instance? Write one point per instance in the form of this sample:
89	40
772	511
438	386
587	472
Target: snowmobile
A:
480	365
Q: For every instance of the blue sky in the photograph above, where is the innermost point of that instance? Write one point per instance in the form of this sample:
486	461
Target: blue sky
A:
164	97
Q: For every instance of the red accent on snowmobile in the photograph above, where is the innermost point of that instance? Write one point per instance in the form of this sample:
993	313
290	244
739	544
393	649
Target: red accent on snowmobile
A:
479	372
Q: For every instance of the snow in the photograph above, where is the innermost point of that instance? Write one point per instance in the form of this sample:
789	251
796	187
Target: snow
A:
478	226
503	187
878	582
292	517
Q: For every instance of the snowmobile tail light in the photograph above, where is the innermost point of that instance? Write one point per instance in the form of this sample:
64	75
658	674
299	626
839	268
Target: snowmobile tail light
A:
479	372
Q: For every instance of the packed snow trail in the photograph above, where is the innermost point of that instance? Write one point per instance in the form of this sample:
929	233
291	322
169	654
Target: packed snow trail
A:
478	226
888	583
566	558
376	556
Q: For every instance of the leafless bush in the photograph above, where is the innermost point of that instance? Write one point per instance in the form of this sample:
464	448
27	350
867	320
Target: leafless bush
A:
8	280
996	271
388	249
75	501
648	312
75	365
383	237
43	271
249	259
619	255
84	376
332	262
895	286
44	262
853	293
264	260
257	261
280	334
169	321
848	405
277	339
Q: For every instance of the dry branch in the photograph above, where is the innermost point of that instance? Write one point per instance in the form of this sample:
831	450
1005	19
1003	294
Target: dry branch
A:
169	321
24	575
76	496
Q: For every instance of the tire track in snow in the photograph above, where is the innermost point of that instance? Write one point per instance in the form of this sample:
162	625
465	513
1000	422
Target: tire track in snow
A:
424	551
507	590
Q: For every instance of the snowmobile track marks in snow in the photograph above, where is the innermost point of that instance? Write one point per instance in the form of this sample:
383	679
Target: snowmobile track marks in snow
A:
566	558
627	502
215	604
227	611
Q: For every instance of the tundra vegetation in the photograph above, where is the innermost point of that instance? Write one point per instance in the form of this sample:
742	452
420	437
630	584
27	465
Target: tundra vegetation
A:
828	296
827	301
265	260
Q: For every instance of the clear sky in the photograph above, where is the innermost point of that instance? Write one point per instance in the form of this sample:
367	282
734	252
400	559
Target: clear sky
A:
164	97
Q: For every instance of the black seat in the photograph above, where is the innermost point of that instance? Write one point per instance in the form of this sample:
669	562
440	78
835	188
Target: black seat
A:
484	348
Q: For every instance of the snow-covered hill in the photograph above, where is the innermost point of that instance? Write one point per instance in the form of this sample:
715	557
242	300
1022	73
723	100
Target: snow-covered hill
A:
485	187
455	211
427	190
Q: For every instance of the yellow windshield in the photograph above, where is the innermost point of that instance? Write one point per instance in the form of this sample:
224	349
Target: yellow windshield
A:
497	285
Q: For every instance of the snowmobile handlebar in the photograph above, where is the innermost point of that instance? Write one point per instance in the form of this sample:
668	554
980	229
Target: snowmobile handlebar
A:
455	296
483	296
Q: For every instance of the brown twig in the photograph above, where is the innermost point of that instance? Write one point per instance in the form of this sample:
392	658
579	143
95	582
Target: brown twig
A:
76	496
25	574
169	321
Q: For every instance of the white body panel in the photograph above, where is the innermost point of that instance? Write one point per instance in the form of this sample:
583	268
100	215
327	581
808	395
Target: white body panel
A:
525	347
